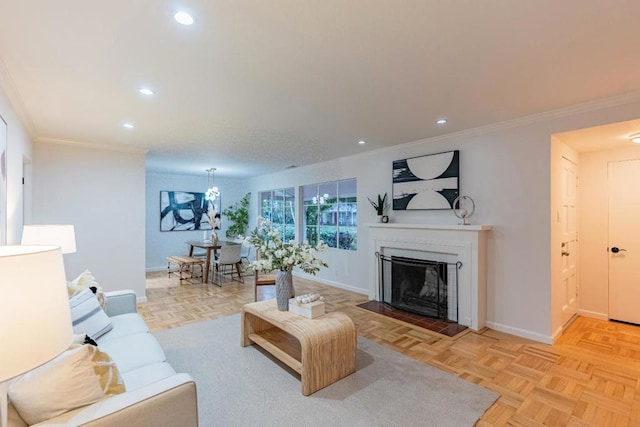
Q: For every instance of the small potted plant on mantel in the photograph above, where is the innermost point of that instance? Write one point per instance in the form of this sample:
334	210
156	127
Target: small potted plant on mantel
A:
380	206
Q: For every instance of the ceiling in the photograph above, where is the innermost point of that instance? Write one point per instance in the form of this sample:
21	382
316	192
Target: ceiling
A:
257	86
606	137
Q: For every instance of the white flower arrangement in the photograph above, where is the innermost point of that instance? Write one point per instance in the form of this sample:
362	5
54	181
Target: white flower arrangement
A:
213	217
276	254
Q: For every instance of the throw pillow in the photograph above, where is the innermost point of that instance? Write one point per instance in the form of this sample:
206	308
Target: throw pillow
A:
80	376
87	316
87	281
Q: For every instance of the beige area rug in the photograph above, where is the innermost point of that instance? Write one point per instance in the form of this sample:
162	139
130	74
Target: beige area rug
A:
243	386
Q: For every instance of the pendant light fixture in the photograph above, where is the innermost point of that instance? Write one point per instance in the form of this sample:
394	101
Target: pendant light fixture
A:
212	191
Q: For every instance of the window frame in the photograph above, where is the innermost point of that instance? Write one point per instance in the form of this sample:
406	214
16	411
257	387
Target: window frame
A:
330	215
286	224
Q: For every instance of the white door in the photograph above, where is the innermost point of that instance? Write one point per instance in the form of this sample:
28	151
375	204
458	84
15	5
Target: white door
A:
624	241
569	245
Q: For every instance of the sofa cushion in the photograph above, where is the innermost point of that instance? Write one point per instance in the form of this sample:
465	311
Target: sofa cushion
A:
133	351
147	374
79	376
87	316
124	324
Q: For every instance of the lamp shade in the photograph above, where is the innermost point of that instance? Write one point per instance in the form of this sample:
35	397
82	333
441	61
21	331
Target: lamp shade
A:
56	235
35	321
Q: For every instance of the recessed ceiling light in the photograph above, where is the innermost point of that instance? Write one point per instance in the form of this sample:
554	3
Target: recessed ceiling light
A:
146	91
362	142
441	121
184	18
635	138
128	125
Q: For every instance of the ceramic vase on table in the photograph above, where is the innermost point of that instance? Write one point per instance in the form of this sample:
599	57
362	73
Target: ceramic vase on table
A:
284	289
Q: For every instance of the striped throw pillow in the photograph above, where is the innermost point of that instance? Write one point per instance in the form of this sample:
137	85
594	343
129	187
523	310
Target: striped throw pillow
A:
87	316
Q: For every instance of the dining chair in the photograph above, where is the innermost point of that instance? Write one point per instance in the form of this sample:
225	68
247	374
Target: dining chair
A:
261	279
245	252
228	255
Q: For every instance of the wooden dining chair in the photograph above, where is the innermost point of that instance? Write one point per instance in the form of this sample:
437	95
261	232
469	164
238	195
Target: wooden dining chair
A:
262	279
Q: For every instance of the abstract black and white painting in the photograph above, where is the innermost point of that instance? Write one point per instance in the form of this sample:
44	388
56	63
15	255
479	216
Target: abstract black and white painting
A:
184	210
426	182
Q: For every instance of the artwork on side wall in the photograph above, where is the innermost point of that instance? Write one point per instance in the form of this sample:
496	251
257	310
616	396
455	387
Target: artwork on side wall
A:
426	182
184	210
3	181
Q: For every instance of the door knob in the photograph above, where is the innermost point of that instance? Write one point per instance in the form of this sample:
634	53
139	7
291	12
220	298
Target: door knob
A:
565	253
616	249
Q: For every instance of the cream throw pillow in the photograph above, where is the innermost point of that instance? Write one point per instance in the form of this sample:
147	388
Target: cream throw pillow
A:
86	281
80	376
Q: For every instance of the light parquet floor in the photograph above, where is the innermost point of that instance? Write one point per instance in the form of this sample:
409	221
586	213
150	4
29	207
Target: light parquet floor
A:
590	377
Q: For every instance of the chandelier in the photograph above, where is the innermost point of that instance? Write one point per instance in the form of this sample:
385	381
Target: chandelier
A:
212	191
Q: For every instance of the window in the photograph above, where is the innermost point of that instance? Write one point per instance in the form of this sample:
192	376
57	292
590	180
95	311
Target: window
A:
278	206
331	214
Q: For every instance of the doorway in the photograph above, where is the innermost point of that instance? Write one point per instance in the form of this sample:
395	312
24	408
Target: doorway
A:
624	241
595	150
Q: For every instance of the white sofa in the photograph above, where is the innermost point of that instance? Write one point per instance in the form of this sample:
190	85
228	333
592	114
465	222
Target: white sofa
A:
155	394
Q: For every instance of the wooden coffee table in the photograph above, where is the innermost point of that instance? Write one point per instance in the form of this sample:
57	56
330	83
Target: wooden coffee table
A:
321	350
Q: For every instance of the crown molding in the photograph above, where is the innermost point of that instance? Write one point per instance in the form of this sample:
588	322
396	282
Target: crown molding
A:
10	89
107	147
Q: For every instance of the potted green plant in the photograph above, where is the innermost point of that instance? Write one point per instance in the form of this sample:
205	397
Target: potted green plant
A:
238	214
380	206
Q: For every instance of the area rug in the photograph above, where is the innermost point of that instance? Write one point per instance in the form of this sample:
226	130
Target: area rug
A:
244	386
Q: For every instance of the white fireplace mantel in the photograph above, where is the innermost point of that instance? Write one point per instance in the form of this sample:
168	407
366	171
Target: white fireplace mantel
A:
465	243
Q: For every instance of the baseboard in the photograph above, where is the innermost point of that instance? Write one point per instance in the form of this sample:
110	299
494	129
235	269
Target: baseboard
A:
535	336
556	334
141	299
154	269
332	283
593	314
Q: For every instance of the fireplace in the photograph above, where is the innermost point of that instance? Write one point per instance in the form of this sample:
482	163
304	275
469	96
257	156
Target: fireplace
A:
462	248
420	286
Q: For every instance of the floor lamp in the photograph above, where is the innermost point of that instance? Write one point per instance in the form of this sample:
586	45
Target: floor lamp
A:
35	322
56	235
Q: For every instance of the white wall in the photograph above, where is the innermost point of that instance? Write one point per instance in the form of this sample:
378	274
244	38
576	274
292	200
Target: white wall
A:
100	192
161	244
506	172
594	279
19	150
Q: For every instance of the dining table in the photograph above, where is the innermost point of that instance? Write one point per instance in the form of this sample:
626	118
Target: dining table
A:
209	246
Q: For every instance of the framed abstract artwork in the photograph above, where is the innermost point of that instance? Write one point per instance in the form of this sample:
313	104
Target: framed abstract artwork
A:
426	182
184	210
